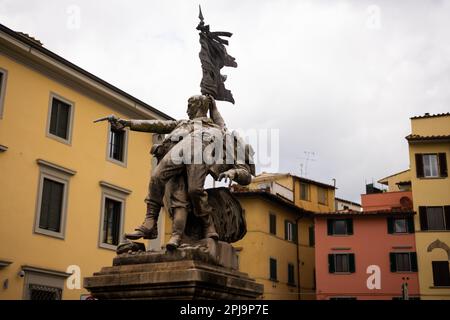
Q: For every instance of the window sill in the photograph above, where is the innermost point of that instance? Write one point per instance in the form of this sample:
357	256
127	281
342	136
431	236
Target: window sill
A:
342	273
107	246
432	178
401	272
340	235
439	287
49	233
273	280
291	285
120	163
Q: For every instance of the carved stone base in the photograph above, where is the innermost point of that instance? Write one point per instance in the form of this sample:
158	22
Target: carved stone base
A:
186	273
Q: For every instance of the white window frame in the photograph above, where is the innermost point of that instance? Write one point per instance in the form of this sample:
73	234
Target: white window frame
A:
125	148
67	141
59	174
43	277
290	231
115	193
3	90
432	169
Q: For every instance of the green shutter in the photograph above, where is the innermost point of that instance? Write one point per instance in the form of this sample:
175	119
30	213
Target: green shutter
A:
419	165
447	217
295	233
413	257
349	226
443	165
411	225
331	267
423	218
285	229
390	225
330	226
351	262
393	262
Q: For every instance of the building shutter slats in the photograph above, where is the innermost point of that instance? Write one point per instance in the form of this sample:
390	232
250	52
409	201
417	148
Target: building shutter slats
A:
351	262
349	226
423	218
331	266
329	227
390	225
443	165
447	217
393	262
410	221
413	257
419	165
295	233
286	237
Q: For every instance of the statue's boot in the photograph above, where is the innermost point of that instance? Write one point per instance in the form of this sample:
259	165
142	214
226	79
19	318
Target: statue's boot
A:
149	228
209	230
178	225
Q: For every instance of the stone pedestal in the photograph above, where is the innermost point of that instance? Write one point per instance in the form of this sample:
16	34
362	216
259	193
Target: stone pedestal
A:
201	272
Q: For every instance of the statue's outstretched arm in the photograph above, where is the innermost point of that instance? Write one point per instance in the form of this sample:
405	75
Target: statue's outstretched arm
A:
154	126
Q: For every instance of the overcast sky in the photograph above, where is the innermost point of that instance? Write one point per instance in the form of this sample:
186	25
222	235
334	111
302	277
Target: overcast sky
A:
337	78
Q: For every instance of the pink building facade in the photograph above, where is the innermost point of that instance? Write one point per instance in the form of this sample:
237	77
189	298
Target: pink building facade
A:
365	255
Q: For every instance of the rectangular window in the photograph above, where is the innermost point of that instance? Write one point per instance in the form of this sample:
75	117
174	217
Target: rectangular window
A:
400	225
39	292
3	76
342	298
291	274
434	218
431	165
117	144
51	205
273	269
322	196
304	191
403	261
112	222
341	263
272	223
290	231
441	274
60	119
338	227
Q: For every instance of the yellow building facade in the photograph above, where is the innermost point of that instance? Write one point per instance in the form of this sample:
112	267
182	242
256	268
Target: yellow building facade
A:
277	250
429	151
69	187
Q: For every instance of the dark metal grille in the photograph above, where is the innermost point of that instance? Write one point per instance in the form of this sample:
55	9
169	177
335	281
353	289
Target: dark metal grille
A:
39	292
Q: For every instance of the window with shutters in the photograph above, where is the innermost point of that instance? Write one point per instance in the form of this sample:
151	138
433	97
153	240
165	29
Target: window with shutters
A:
117	146
272	223
290	231
60	119
400	225
322	195
341	263
111	222
112	216
340	227
304	191
403	261
291	274
431	165
434	218
273	269
441	273
51	208
3	76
